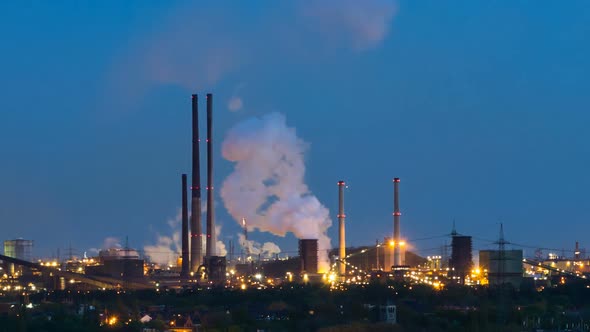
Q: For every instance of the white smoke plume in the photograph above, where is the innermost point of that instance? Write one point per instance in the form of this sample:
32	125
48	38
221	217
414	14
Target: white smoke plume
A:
235	104
220	246
363	24
270	249
111	242
169	247
267	185
266	250
199	53
108	243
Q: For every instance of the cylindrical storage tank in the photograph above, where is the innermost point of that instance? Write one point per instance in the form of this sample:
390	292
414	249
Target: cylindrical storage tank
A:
308	253
504	267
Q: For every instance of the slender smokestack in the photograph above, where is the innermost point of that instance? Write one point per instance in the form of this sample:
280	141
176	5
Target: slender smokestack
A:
211	251
185	258
341	229
396	230
246	246
196	238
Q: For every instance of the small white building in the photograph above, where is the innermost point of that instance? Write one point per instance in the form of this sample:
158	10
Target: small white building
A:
388	313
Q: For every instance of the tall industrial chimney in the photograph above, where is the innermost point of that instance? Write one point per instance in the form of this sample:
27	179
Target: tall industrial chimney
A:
210	251
185	258
341	229
196	232
246	246
396	231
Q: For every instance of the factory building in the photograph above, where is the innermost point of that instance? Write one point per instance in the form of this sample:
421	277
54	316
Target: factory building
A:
434	262
123	263
461	258
376	258
19	249
503	267
579	263
569	265
308	253
216	266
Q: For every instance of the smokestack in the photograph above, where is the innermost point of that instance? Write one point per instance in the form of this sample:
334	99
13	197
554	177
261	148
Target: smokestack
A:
246	246
210	251
341	229
185	259
396	230
196	239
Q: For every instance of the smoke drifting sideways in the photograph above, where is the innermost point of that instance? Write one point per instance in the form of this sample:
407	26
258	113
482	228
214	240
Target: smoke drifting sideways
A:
267	184
181	51
168	248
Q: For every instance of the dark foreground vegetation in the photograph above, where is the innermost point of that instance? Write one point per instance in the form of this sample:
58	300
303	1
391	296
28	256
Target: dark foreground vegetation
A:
306	308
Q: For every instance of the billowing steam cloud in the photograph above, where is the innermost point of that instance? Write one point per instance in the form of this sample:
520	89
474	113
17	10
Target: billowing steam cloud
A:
221	250
267	185
266	250
169	247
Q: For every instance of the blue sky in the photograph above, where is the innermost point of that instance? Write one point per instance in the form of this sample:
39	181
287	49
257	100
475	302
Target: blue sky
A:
480	108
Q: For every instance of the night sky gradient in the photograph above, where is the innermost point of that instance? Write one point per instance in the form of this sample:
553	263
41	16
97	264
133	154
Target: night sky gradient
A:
481	108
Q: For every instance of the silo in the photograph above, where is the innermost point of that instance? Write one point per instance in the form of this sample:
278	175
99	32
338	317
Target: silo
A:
504	267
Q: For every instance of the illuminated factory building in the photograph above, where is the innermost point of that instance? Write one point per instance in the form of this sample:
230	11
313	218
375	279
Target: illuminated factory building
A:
20	249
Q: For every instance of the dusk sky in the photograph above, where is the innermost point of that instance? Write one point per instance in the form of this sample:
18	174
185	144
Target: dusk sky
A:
481	108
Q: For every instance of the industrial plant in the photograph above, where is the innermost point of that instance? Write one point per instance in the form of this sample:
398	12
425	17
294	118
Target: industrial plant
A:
124	267
392	260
